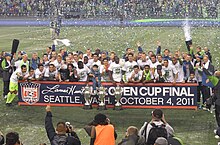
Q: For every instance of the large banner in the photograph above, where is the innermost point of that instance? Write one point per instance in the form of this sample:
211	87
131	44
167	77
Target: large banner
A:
152	95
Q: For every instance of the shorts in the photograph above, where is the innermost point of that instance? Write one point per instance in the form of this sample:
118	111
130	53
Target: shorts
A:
13	86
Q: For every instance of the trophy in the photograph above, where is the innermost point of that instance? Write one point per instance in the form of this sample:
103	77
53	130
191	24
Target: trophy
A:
101	94
86	91
118	94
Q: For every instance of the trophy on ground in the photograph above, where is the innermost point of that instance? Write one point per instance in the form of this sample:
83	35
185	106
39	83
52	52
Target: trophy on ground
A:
118	94
101	94
86	91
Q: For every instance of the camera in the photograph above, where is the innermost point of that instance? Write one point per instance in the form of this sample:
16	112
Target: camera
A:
69	127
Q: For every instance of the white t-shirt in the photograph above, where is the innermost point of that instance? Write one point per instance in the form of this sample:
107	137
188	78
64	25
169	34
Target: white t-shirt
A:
137	76
83	73
105	76
59	65
169	71
142	64
154	65
179	68
91	63
14	76
116	71
128	68
19	63
49	74
38	73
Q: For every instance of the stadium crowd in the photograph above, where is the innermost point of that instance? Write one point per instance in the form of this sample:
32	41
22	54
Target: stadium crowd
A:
113	8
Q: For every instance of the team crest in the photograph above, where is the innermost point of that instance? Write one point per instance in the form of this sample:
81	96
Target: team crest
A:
30	92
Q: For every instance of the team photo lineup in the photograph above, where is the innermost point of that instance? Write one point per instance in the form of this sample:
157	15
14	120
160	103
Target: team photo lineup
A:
104	72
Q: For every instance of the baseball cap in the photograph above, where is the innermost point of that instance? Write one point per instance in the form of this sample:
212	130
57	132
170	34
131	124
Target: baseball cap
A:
23	53
7	54
161	141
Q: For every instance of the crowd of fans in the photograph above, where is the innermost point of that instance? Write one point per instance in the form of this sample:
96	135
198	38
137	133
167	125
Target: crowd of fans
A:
113	8
102	132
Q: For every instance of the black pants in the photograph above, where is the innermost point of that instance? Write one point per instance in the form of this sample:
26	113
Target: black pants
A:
205	91
6	88
217	114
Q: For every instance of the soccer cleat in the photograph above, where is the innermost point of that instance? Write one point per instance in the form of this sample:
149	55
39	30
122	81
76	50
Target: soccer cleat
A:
217	137
6	96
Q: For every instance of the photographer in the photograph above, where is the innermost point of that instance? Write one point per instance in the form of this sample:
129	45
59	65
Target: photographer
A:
157	127
101	131
64	134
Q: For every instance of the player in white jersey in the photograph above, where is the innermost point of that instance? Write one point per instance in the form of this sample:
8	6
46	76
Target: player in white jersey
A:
19	74
171	74
51	73
94	61
128	67
143	61
82	71
39	72
153	64
116	71
136	75
179	67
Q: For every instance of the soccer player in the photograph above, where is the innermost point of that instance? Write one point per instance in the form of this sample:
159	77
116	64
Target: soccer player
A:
82	72
19	74
136	75
51	73
128	67
116	70
147	76
171	74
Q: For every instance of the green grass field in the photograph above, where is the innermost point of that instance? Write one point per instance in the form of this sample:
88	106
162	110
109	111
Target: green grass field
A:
194	127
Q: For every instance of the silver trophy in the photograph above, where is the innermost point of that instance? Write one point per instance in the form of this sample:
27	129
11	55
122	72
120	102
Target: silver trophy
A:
118	94
86	91
101	94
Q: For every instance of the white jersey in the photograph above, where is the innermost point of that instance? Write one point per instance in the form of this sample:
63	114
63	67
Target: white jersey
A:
179	68
38	73
128	68
60	65
142	63
83	73
116	71
91	63
137	76
49	74
154	65
14	76
105	77
169	71
19	63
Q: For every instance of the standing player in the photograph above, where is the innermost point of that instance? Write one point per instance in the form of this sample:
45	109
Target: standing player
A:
128	67
116	71
171	74
52	30
19	74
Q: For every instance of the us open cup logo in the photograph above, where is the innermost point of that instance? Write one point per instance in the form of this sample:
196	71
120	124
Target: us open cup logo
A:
30	92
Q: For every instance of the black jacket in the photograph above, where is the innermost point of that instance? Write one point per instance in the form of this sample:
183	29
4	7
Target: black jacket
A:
7	70
72	139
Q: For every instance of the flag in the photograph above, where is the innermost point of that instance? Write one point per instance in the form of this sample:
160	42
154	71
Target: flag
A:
213	80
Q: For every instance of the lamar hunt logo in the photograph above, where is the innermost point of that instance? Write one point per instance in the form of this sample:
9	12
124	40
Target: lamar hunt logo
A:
30	92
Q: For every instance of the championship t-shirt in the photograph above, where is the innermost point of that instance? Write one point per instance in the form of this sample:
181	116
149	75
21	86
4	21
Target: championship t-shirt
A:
116	71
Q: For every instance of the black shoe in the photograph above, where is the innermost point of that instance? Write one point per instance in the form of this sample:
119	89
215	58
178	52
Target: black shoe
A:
8	104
